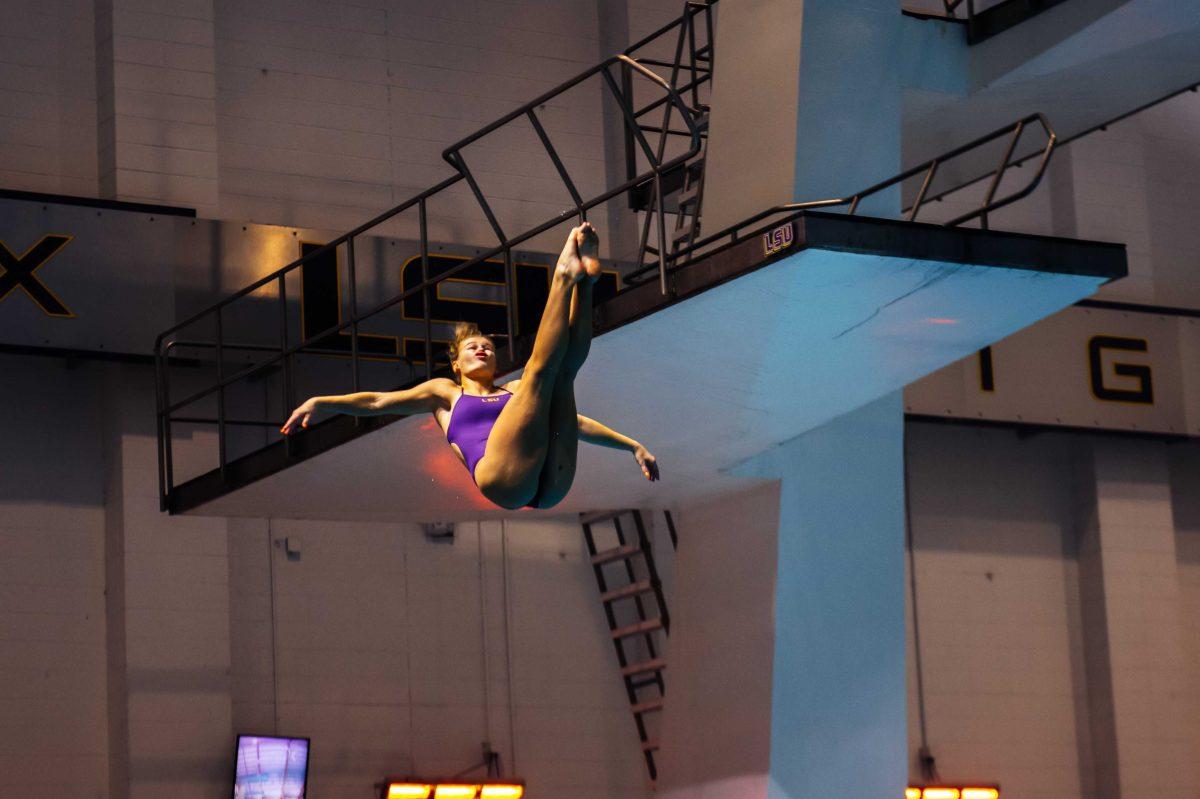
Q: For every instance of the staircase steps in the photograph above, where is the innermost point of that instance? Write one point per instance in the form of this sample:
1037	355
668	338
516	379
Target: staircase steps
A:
625	570
657	664
633	589
616	553
640	628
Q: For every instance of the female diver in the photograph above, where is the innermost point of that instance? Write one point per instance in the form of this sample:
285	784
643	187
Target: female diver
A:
518	442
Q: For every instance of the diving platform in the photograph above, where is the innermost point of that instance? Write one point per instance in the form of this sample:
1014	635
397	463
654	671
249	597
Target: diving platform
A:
773	334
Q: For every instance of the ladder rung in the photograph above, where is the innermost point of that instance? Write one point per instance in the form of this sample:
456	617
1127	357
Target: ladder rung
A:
599	516
640	587
689	195
647	707
648	626
618	553
649	746
683	232
644	667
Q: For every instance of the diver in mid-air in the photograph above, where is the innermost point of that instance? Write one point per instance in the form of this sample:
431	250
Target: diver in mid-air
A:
519	441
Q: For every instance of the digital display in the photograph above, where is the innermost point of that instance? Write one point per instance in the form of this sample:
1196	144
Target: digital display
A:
270	768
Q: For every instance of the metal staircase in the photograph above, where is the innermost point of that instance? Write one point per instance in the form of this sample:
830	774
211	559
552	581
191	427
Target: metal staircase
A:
631	594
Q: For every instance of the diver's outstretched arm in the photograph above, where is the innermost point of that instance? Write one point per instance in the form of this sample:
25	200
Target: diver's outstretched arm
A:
424	397
593	432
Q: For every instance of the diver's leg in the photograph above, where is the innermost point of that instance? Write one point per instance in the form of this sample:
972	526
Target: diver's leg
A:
512	462
559	470
579	342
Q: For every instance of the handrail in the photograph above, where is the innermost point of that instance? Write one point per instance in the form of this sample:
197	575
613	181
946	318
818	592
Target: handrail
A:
453	154
929	167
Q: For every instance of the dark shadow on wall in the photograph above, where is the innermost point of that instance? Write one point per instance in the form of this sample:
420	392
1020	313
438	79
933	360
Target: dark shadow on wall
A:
1185	502
51	432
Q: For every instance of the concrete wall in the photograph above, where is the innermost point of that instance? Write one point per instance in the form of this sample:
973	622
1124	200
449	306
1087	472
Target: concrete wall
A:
998	610
48	103
311	114
53	722
1049	654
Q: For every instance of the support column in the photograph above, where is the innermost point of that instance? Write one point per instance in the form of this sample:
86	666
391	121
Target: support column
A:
788	647
1135	660
805	106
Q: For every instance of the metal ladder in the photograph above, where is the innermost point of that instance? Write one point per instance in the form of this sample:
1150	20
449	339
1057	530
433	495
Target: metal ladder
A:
688	199
691	72
687	220
631	594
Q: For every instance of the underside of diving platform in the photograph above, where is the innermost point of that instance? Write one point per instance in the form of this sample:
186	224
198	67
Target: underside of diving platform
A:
759	341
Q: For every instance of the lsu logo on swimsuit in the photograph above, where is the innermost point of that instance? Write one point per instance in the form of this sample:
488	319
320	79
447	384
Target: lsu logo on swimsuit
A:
778	239
490	399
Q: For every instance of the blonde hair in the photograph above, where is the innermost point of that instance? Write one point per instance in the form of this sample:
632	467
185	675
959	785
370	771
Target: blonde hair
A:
462	332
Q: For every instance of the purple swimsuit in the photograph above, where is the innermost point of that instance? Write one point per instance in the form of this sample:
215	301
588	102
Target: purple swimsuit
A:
471	423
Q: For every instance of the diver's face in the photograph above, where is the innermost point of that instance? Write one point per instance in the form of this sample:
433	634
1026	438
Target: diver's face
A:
476	358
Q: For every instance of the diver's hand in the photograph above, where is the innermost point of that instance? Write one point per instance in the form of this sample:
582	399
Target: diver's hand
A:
647	461
300	417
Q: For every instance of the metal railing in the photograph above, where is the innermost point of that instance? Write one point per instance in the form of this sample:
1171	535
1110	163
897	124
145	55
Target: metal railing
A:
929	169
281	356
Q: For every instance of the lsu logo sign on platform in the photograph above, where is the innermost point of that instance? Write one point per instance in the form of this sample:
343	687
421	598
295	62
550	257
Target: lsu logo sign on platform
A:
778	239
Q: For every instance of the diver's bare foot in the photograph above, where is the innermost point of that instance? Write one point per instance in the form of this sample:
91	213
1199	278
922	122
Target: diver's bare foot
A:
589	250
578	260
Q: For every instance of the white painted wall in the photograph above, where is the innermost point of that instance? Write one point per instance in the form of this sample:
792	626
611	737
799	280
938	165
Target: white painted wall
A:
48	103
53	717
312	114
997	599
